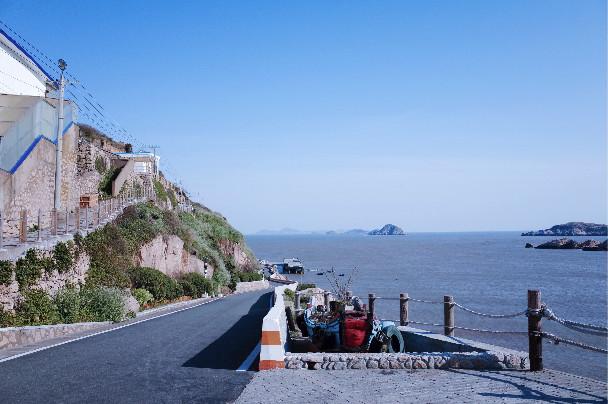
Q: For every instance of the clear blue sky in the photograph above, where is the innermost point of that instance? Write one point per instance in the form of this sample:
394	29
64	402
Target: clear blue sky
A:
436	116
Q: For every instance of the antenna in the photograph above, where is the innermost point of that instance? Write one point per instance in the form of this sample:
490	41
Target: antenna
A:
154	147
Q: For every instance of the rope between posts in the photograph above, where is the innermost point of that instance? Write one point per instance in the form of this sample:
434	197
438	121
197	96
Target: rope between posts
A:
574	325
557	340
490	331
477	313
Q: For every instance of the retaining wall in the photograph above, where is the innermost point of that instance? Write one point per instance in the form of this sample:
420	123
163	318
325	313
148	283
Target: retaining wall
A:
12	337
242	287
274	332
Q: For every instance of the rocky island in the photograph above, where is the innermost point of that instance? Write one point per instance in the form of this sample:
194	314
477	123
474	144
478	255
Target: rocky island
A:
569	244
387	230
572	229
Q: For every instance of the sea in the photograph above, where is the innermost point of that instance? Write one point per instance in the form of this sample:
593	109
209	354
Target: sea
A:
488	272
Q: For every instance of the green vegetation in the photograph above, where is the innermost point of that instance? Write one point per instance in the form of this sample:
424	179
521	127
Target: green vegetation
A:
199	284
142	296
161	193
100	165
160	285
289	295
105	184
6	272
172	197
112	250
304	286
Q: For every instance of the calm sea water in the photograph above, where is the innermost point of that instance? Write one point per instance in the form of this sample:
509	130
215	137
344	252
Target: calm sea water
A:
488	272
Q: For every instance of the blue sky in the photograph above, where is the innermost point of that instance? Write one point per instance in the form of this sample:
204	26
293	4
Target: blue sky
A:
433	115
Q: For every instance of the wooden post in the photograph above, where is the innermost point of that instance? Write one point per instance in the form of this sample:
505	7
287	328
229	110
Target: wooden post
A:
54	222
86	218
98	214
39	224
448	316
1	231
403	309
298	301
23	226
535	341
77	218
67	221
370	307
326	300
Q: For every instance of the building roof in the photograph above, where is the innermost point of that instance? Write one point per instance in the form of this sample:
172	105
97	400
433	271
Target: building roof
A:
20	73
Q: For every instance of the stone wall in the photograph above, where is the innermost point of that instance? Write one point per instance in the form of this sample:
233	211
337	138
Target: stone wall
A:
12	337
437	360
168	255
242	287
50	282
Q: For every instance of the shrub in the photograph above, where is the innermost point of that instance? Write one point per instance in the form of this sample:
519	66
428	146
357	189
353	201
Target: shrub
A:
102	304
100	165
6	272
160	285
62	256
161	193
289	295
201	284
172	197
37	308
304	286
105	184
28	269
142	296
249	276
188	288
69	305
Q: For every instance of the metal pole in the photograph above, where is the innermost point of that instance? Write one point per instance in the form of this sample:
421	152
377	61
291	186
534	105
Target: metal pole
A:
1	231
297	301
39	224
326	300
67	221
59	145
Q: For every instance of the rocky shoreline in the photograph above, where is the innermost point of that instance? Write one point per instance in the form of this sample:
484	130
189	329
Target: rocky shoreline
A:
572	229
569	244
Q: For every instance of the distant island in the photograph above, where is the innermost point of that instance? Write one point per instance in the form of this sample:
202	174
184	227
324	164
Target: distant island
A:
572	229
387	230
569	244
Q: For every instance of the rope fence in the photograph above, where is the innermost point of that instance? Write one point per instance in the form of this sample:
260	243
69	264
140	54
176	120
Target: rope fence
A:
535	312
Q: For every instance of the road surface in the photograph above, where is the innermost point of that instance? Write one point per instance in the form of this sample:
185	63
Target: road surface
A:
189	356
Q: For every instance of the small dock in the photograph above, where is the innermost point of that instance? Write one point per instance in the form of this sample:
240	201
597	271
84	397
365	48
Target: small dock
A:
422	386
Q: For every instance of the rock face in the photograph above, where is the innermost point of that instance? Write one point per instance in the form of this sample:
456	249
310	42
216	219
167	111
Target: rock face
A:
528	245
569	244
561	244
603	246
572	229
387	230
167	254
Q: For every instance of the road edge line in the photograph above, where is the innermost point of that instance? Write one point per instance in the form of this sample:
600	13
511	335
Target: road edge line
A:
44	348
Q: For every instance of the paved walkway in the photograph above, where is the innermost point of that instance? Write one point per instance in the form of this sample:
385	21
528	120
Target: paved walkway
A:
421	386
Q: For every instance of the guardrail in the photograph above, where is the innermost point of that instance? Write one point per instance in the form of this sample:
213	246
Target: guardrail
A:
274	332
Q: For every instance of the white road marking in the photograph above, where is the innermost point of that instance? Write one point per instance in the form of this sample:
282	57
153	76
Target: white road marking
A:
104	331
254	353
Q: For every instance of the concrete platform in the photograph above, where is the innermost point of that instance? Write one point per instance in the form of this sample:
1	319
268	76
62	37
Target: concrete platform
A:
421	386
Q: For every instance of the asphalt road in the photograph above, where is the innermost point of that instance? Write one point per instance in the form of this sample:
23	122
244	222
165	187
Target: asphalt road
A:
189	356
